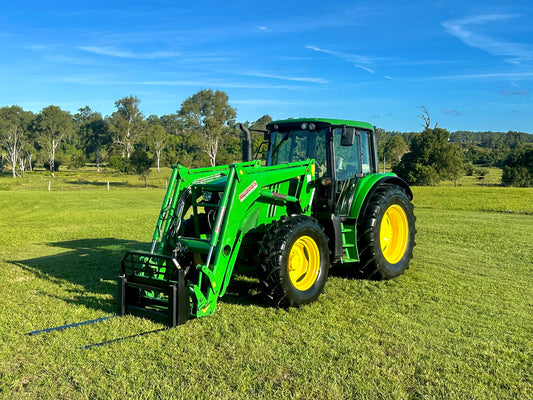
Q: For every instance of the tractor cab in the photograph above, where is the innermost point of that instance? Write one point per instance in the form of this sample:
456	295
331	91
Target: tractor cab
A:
344	152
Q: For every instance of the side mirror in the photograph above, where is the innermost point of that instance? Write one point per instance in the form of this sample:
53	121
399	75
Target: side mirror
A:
348	136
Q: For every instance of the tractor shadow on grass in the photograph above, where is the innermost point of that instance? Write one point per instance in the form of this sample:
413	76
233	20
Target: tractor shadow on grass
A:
87	270
244	288
91	265
86	273
349	271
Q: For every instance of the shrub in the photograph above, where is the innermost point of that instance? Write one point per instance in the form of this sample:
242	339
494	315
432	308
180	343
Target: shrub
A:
117	163
518	168
78	161
430	159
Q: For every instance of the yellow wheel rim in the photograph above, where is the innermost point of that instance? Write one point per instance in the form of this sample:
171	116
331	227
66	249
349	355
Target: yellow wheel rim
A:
304	263
393	234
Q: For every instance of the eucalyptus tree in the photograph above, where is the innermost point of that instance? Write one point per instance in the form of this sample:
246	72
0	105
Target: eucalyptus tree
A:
157	140
14	132
94	132
126	124
209	115
52	126
172	124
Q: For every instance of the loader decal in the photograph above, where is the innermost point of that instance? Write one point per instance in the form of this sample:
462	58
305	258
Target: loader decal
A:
246	192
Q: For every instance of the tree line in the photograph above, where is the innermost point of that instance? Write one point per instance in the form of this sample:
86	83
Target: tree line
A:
435	154
204	131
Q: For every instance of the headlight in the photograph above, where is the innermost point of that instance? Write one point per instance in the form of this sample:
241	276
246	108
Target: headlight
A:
207	195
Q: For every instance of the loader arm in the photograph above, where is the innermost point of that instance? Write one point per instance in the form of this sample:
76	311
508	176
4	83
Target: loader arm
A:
251	197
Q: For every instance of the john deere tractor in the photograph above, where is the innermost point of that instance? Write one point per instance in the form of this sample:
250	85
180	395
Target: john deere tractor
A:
318	201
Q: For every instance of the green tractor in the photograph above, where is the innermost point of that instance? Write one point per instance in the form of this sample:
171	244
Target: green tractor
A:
318	201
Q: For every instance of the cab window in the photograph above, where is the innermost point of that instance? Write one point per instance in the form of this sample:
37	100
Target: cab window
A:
347	162
365	152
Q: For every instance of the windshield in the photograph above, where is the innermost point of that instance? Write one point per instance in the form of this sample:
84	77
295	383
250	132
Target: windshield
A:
299	145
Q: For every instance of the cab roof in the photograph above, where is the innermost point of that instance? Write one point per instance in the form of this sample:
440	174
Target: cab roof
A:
324	122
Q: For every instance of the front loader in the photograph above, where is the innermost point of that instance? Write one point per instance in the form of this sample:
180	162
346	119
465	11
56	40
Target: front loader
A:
318	201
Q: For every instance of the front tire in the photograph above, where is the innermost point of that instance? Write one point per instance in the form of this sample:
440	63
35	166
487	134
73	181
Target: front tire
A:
293	261
386	234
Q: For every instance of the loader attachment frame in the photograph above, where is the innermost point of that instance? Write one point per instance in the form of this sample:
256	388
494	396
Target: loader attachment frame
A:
145	292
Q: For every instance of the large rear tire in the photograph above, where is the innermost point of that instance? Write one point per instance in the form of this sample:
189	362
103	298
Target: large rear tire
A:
293	261
386	234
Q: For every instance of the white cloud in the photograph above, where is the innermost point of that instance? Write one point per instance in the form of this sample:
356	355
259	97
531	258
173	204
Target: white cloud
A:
465	30
359	61
453	112
349	16
107	81
353	58
497	75
286	78
514	92
261	102
114	52
365	68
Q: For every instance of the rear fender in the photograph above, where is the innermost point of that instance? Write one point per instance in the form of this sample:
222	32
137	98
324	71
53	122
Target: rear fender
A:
368	185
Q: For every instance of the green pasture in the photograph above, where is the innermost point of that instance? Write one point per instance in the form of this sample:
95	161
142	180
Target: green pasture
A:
81	179
457	325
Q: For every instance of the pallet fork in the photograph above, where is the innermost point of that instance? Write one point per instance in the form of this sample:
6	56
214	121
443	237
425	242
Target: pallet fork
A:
140	293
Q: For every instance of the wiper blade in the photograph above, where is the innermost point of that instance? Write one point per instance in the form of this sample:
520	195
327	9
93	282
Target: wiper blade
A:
281	142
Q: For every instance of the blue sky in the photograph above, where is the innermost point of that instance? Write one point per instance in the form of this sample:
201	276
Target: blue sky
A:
470	63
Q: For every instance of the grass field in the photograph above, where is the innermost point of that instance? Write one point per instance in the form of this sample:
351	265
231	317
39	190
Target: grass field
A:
458	324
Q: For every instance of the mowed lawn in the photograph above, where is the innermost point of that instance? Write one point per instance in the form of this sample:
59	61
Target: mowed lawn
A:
458	324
